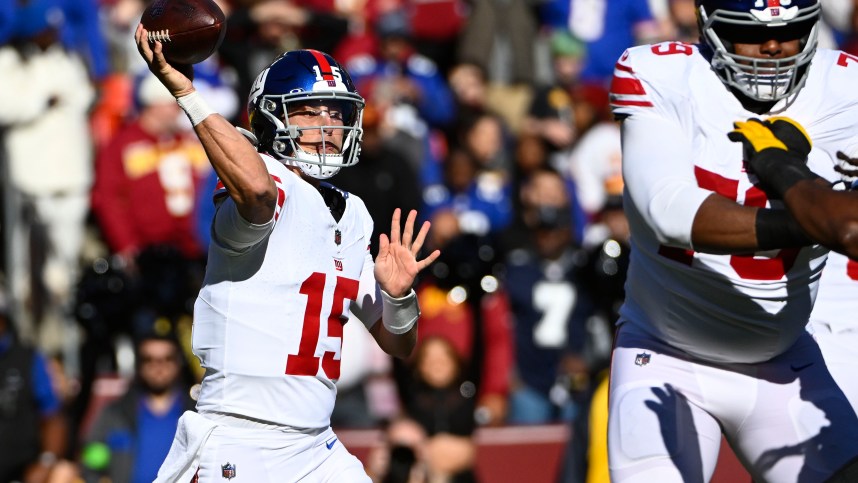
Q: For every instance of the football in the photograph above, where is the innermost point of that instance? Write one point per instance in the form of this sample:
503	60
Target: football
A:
189	30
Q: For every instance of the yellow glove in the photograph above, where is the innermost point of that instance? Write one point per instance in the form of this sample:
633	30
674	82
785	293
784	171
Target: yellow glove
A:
776	151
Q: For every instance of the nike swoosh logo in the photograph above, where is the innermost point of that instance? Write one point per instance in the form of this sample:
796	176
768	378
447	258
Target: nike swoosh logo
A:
331	444
802	367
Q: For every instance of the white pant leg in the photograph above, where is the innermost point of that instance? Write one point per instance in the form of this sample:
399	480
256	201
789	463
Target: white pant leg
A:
785	418
801	427
272	456
657	429
840	351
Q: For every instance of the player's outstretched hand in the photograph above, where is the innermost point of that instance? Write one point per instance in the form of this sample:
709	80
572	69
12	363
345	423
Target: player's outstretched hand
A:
396	265
177	79
848	168
770	158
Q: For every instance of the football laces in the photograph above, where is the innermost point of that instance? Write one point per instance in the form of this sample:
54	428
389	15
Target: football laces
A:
159	35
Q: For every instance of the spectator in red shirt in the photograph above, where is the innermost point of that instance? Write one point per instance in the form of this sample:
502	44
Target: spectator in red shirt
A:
146	179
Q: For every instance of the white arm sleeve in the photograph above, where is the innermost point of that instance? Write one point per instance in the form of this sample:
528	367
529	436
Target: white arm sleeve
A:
368	306
231	231
658	170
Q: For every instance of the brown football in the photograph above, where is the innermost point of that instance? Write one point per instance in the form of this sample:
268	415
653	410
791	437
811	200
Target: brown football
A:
189	30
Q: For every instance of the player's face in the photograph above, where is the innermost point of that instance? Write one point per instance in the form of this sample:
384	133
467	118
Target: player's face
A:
770	49
327	116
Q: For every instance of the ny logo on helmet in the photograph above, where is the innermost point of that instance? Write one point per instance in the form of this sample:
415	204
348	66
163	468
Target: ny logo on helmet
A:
774	10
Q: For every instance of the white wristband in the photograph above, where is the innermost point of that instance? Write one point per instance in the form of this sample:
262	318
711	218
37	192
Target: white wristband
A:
399	315
195	107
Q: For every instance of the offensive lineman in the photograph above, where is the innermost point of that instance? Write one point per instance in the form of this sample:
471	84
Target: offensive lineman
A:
289	258
712	337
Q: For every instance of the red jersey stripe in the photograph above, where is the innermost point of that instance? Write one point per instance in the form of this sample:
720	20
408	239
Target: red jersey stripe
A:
620	102
624	68
628	86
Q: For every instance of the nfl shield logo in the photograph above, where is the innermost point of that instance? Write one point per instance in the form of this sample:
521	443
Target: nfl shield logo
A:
642	359
228	471
338	237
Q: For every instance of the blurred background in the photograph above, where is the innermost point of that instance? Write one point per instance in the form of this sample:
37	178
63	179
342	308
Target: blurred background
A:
490	117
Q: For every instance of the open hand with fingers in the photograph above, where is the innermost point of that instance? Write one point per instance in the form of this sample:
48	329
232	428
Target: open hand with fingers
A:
776	152
396	265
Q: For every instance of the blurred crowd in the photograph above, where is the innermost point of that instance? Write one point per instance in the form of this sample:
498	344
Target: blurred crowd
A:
490	117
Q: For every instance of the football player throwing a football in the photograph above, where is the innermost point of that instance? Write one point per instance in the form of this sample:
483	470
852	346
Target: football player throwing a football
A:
289	260
711	338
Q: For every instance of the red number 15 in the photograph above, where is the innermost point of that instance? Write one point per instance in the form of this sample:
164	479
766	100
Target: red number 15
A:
305	362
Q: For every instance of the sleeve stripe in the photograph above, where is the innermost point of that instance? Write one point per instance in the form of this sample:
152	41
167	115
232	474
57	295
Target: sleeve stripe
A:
624	68
626	89
220	192
621	85
620	102
281	196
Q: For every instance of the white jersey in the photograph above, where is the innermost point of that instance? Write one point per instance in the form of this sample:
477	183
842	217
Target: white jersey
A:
721	308
268	322
838	295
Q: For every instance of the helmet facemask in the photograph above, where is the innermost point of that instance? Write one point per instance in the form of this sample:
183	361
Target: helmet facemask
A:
763	80
340	115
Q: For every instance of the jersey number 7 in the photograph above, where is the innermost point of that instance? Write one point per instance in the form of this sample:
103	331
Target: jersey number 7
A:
306	362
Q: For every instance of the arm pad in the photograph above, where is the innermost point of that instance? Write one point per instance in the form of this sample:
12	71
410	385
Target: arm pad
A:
778	229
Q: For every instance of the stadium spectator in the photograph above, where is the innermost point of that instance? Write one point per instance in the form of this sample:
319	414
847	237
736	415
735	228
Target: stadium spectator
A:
400	457
532	159
472	199
401	78
462	304
469	86
594	164
607	27
45	94
551	114
443	402
499	37
34	429
436	27
548	304
131	436
284	245
721	284
147	178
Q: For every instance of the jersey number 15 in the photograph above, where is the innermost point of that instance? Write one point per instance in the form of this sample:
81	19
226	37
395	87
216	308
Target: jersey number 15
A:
306	362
